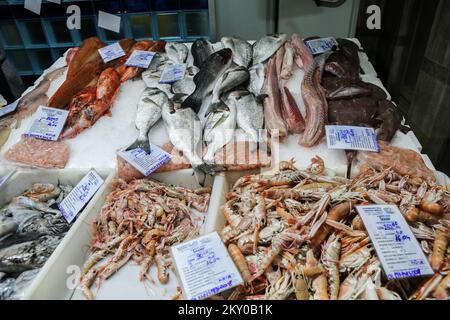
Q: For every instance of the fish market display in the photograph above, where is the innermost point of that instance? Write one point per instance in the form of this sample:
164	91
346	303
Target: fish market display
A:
205	80
177	52
39	153
266	47
30	230
295	234
242	50
137	224
201	49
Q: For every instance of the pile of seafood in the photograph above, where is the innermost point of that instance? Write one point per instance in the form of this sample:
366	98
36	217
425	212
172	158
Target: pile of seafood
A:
31	227
138	223
295	234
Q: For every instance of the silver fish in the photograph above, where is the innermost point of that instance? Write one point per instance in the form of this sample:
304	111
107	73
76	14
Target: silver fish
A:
230	80
249	113
205	81
46	224
201	49
177	52
186	86
185	132
32	204
266	47
12	216
257	78
242	50
148	114
219	130
152	75
14	289
28	255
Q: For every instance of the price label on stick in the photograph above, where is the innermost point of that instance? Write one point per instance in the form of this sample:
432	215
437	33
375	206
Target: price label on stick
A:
47	123
205	267
173	73
146	163
395	244
80	195
111	52
352	138
140	59
9	108
319	46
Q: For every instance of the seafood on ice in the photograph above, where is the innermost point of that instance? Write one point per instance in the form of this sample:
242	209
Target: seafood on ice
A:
138	223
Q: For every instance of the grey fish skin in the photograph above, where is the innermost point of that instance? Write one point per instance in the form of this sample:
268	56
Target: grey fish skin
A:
14	289
219	130
201	49
177	52
257	79
31	204
230	80
242	50
148	114
249	114
28	255
152	75
186	86
266	47
205	80
185	132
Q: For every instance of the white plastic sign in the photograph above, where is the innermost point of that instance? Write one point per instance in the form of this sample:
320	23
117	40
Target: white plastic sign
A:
352	138
80	195
146	163
111	52
205	267
395	244
140	59
47	123
319	46
173	73
9	108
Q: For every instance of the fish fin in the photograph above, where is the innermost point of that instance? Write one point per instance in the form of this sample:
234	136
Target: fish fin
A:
192	102
143	144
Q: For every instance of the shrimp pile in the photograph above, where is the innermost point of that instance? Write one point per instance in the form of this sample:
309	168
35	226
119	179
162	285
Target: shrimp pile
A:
139	221
295	234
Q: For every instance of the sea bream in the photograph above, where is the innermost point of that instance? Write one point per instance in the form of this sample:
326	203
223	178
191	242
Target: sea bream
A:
205	80
201	49
149	111
186	86
266	47
219	130
185	132
257	79
152	75
177	52
242	50
230	80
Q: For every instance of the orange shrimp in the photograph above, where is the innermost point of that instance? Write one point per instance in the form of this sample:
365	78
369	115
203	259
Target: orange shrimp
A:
240	262
439	249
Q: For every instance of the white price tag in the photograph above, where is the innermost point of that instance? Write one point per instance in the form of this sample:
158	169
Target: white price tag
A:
5	178
9	108
205	267
146	163
47	123
319	46
352	138
80	195
140	59
111	52
173	73
397	248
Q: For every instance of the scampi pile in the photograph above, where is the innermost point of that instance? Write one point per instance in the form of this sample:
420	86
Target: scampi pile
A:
30	230
139	222
296	234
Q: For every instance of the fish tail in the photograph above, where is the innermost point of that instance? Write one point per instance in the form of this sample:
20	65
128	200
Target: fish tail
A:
142	144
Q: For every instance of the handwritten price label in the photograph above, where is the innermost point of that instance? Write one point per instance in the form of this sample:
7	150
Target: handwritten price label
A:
111	52
395	244
205	267
146	163
140	59
80	195
173	73
352	138
47	123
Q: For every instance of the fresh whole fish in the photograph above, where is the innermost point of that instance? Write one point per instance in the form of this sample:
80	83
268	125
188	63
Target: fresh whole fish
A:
46	224
288	62
249	113
14	289
315	102
32	204
242	50
219	130
230	80
27	255
205	80
257	79
177	52
148	114
266	47
153	74
201	49
185	132
272	112
302	55
186	86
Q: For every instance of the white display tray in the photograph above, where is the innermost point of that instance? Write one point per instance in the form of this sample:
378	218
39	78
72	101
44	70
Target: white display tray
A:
50	283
